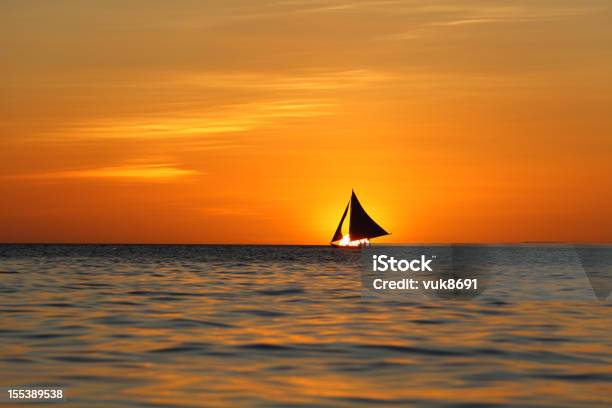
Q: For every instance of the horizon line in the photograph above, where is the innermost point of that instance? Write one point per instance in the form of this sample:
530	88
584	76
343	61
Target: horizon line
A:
296	244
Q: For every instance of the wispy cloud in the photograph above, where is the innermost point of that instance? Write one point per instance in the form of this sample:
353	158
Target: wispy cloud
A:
459	15
474	21
255	101
287	8
310	81
230	119
141	172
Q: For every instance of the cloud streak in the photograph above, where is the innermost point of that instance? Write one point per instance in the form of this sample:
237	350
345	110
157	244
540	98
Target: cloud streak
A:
134	172
258	101
232	119
458	15
306	81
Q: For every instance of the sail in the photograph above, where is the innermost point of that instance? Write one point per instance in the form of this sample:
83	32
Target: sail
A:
361	225
338	234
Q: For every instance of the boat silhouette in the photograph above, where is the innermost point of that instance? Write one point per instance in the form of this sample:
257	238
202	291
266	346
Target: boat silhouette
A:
361	227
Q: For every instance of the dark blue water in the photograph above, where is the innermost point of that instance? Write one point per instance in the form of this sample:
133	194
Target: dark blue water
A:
190	326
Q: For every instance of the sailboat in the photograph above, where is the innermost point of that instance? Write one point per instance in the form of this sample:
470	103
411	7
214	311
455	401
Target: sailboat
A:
361	227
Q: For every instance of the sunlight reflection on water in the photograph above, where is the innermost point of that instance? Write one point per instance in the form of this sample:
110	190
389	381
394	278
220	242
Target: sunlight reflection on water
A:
280	326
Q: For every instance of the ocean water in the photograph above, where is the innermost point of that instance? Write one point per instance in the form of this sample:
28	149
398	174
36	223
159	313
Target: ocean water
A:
287	326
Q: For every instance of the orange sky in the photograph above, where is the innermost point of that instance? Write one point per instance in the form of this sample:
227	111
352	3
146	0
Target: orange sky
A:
250	121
